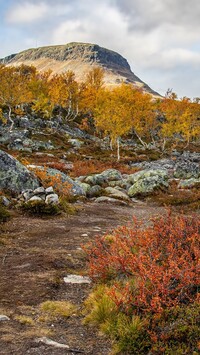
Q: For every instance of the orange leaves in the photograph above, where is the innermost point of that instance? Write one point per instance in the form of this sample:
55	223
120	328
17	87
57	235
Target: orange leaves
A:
152	268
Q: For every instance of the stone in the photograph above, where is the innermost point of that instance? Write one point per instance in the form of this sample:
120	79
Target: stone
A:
96	179
94	191
86	187
27	194
49	190
35	199
117	194
5	201
52	199
187	170
145	182
106	199
14	176
50	342
189	183
3	318
39	190
111	174
77	279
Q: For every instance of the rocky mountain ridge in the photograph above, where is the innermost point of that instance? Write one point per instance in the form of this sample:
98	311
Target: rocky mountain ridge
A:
80	58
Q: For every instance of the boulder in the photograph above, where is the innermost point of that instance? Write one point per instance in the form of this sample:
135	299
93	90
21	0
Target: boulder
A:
52	199
189	183
111	174
96	179
106	199
117	194
14	176
94	191
187	170
145	182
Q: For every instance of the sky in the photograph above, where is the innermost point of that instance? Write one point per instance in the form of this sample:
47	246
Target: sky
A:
159	38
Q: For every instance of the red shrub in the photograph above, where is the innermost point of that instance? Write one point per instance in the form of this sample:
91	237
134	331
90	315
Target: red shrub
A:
152	268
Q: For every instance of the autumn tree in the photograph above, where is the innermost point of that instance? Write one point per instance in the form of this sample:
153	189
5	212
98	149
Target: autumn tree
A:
39	87
14	88
89	90
63	91
122	110
180	118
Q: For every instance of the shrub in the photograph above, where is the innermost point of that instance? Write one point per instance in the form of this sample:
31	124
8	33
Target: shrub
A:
150	303
4	213
158	266
40	208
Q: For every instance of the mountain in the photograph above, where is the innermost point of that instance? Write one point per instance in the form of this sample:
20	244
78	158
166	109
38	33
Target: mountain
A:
80	58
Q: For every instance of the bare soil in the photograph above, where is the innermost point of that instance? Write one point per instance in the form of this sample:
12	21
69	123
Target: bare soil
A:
35	255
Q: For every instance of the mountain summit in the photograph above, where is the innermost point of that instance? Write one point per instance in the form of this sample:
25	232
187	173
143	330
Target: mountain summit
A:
80	58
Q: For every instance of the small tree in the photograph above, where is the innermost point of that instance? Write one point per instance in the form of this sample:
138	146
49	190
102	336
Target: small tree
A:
14	87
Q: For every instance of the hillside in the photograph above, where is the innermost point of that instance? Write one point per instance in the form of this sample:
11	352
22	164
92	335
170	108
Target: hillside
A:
80	58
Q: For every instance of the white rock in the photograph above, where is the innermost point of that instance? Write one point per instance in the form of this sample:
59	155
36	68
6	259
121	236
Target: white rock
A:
77	279
35	198
52	199
39	190
51	342
49	190
3	318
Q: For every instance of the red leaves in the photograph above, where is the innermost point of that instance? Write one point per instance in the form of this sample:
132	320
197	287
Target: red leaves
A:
152	268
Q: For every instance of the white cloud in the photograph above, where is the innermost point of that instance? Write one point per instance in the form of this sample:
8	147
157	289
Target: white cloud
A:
160	39
27	12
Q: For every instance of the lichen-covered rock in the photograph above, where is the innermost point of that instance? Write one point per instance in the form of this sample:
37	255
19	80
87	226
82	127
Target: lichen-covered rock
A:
145	182
111	174
187	170
117	194
94	191
96	179
120	183
189	183
14	176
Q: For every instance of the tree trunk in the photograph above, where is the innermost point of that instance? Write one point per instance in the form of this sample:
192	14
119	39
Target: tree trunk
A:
10	119
118	153
140	139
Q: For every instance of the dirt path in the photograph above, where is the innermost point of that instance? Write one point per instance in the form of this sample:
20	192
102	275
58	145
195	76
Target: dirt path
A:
35	257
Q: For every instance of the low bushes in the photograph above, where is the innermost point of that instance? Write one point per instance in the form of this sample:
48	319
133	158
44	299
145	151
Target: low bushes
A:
153	278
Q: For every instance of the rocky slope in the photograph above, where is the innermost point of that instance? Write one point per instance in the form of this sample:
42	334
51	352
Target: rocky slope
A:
80	58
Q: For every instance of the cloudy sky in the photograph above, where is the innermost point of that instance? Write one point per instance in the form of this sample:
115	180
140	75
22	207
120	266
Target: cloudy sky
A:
160	39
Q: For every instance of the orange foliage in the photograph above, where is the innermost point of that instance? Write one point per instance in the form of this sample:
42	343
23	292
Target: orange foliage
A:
153	268
62	188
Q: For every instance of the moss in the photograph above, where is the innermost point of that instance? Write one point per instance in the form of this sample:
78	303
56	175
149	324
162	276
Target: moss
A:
40	208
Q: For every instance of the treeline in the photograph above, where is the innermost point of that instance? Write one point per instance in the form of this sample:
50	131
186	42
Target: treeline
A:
116	112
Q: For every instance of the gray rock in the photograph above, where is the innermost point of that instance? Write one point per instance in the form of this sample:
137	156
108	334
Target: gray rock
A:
187	170
189	183
3	318
49	190
35	199
111	174
85	187
94	191
5	201
112	200
40	190
14	176
76	142
52	199
96	179
77	279
27	194
145	182
117	194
